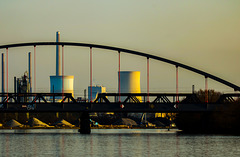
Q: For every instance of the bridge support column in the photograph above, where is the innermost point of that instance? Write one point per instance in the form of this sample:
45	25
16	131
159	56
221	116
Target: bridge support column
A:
206	90
90	74
7	70
119	69
85	123
62	72
177	98
148	100
35	69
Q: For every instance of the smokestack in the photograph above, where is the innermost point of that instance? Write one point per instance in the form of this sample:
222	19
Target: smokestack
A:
3	73
30	70
58	64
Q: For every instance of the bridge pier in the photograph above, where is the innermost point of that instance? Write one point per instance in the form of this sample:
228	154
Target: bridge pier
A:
85	123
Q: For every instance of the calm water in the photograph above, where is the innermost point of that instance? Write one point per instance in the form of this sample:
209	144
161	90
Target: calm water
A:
129	142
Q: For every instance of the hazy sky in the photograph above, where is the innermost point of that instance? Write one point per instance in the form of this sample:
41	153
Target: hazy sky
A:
204	34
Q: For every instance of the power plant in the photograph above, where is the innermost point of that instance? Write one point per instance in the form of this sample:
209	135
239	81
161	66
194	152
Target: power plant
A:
129	81
60	83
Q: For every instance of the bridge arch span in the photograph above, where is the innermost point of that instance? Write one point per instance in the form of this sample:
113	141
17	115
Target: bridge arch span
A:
177	64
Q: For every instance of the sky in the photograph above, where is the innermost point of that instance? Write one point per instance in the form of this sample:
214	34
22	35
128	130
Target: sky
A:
200	33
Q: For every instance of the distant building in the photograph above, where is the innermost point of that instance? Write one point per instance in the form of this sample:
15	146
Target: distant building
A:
95	91
22	85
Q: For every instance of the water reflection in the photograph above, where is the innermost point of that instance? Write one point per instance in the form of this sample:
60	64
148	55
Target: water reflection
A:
7	145
118	143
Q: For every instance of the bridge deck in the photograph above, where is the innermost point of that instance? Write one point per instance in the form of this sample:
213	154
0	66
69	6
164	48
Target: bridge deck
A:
108	102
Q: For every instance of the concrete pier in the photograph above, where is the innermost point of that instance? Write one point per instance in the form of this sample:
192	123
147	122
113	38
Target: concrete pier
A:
85	123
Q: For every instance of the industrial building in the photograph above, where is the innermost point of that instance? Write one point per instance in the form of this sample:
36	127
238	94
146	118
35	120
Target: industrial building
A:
61	84
95	91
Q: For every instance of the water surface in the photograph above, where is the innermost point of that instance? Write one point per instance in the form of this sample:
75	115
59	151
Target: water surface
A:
115	142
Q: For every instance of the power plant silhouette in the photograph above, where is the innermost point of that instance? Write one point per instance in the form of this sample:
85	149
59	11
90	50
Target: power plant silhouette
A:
128	81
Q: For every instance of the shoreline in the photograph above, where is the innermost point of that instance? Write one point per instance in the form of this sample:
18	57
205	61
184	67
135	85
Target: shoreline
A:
101	127
93	131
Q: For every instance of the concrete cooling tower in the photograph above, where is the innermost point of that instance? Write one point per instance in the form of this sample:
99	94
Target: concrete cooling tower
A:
130	83
56	84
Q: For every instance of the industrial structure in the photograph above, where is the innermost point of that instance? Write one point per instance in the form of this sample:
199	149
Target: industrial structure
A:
30	71
129	82
3	73
22	85
95	91
58	64
60	83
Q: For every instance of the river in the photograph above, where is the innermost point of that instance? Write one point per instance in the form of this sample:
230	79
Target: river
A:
114	142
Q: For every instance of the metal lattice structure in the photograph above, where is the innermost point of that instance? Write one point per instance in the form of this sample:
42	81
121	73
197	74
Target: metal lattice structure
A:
108	102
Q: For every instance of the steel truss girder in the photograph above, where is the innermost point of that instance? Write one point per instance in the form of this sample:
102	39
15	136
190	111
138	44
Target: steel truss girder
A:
131	103
228	98
161	99
36	97
133	97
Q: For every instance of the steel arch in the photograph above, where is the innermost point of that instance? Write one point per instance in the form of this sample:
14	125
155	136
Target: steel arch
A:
207	75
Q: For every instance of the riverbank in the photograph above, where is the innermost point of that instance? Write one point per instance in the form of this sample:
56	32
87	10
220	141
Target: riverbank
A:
93	131
93	127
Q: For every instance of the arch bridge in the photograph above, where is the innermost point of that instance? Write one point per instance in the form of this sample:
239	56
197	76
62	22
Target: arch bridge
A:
159	102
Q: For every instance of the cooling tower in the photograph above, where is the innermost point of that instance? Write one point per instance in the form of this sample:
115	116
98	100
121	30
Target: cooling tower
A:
130	83
56	84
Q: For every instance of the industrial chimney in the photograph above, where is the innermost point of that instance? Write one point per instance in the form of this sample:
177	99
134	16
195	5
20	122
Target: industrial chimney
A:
58	64
3	73
30	71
